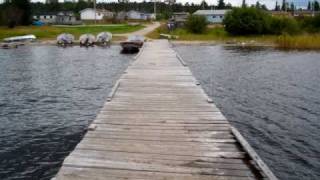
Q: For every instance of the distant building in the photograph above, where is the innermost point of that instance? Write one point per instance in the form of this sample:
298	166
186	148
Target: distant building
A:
136	15
99	14
122	15
179	18
213	16
280	13
47	18
304	13
66	18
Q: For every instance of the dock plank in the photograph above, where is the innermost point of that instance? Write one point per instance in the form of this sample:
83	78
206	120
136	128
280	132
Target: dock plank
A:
158	124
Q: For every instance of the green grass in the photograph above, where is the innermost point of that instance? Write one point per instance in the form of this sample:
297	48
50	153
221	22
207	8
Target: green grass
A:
51	32
218	34
303	42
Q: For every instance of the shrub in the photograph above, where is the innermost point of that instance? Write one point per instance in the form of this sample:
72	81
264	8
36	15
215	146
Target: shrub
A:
243	21
196	24
311	24
284	25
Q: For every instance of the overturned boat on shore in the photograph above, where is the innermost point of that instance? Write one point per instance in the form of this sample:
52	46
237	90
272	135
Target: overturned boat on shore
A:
104	38
65	39
132	44
87	40
24	38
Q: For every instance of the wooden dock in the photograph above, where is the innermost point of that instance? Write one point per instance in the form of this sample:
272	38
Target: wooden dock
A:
159	124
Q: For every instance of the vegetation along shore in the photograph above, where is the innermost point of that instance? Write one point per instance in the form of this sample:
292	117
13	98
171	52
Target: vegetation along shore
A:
250	26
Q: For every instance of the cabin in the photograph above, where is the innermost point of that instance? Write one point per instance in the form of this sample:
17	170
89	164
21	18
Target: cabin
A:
121	16
99	14
46	18
66	18
179	18
213	16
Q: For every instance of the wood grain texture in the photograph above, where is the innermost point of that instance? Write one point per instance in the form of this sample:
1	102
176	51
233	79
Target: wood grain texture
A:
159	124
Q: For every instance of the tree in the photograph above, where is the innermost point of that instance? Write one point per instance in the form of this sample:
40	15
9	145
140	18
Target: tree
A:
243	21
196	24
204	4
277	8
316	6
258	6
292	7
244	3
284	5
221	4
309	5
18	12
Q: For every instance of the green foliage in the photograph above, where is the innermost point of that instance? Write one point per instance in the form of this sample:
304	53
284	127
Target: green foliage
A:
311	24
196	24
284	25
243	21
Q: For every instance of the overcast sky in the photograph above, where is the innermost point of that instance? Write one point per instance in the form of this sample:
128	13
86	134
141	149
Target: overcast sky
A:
269	3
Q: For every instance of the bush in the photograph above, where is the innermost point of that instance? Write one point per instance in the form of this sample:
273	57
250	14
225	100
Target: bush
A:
196	24
311	24
243	21
284	25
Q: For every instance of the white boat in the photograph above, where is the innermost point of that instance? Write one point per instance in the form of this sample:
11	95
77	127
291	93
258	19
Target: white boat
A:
65	39
104	38
87	40
29	37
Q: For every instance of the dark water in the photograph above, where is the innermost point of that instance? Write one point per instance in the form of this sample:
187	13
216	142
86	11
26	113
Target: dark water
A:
271	96
48	96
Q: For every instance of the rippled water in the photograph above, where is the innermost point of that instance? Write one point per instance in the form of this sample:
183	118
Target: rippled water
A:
48	96
271	96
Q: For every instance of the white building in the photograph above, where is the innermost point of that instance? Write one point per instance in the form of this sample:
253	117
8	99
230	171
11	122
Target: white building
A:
135	15
91	14
213	16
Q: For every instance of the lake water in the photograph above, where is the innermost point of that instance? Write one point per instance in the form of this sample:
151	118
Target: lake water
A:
271	96
48	96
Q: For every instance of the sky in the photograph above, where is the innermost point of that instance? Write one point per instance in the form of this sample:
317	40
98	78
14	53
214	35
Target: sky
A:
270	3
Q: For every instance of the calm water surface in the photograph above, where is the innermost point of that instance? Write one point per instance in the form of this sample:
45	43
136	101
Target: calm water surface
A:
48	96
271	96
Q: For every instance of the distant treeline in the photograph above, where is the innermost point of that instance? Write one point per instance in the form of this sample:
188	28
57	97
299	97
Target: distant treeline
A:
14	10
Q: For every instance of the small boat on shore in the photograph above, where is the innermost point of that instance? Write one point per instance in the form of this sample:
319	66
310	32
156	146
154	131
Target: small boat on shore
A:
25	38
104	38
65	39
87	40
132	44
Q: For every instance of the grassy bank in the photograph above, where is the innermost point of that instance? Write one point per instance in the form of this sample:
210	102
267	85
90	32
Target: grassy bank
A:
218	34
51	32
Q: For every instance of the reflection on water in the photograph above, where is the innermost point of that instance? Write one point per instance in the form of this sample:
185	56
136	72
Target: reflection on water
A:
48	96
271	96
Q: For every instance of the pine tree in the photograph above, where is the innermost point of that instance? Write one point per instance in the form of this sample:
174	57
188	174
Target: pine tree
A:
284	5
316	6
309	5
244	3
221	4
258	6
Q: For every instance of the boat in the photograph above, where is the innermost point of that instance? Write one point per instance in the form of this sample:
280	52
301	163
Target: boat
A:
65	39
25	38
87	40
104	38
132	44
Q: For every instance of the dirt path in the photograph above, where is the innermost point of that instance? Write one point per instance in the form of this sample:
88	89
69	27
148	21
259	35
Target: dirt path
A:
149	28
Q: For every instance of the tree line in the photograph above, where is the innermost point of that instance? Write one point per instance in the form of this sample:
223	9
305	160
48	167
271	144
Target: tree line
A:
19	12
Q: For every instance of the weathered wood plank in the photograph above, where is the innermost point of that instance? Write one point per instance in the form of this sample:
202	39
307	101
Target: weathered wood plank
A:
158	125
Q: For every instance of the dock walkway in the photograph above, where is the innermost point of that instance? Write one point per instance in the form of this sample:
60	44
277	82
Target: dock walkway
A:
159	124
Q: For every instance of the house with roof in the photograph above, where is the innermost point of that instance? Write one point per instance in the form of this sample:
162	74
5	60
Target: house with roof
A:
99	14
136	15
67	18
46	18
179	18
213	16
